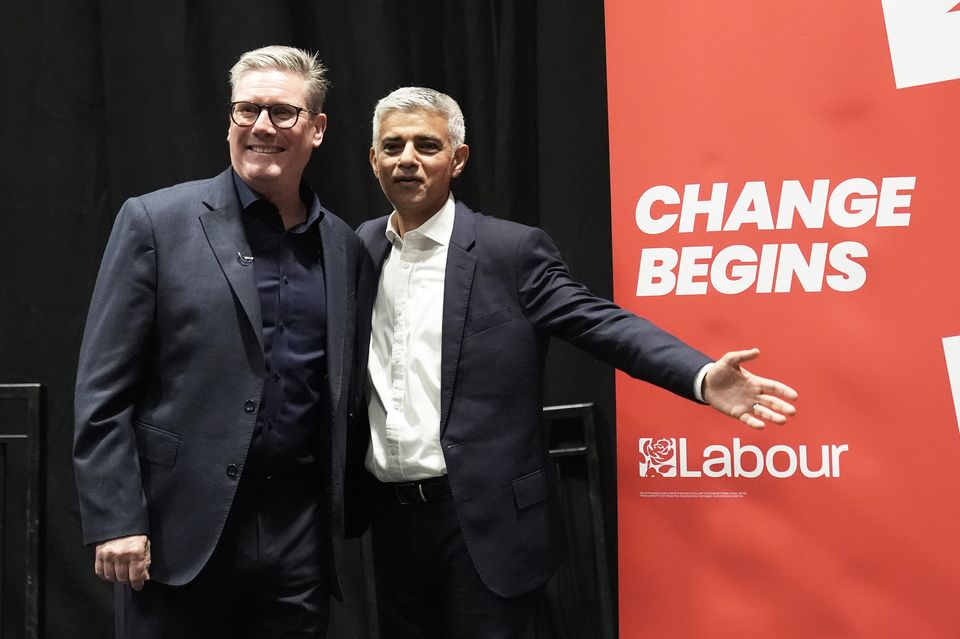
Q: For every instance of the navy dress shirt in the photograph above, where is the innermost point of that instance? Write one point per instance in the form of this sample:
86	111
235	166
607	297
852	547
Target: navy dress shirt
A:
290	431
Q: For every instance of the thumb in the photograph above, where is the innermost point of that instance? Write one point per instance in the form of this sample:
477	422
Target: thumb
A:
736	358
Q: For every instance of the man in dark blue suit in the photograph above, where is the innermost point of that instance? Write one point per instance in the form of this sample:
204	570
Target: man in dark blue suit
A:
464	517
213	382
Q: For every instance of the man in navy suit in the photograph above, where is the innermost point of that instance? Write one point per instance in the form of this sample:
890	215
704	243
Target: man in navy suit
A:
464	517
213	382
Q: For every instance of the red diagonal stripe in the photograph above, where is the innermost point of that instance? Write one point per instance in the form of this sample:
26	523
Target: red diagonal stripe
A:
956	8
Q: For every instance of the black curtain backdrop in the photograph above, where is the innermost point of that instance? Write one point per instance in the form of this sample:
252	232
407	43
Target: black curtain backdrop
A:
104	100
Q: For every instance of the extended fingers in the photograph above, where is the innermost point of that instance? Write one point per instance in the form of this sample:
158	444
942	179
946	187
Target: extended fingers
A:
773	387
776	406
769	408
750	419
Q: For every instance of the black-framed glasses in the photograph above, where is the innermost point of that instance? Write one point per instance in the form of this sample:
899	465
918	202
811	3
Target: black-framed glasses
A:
283	116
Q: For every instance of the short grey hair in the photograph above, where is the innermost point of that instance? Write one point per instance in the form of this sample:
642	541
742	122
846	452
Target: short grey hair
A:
409	99
283	58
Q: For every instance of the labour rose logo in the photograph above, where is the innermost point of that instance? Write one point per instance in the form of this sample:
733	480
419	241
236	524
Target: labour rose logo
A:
658	457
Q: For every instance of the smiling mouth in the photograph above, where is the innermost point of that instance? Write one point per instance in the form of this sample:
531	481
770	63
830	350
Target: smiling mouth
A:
407	179
265	149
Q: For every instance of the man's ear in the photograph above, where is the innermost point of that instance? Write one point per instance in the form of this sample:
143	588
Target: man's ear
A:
460	159
320	126
373	162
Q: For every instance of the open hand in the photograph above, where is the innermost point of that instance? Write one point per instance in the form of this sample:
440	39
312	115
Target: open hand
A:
734	391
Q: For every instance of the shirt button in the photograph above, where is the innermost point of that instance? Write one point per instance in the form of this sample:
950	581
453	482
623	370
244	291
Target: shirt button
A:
249	406
276	374
232	471
286	281
282	327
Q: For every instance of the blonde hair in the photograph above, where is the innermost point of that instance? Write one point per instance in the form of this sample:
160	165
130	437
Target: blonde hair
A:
283	58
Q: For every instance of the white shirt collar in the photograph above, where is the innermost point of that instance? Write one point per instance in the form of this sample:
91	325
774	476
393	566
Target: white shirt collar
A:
438	228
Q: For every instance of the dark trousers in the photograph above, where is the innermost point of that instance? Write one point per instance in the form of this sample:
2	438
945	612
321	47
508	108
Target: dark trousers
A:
266	579
427	586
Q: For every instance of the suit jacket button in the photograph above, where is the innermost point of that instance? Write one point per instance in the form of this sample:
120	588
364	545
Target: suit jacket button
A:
249	406
232	471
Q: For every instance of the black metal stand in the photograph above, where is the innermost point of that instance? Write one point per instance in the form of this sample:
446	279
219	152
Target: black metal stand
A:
578	601
22	475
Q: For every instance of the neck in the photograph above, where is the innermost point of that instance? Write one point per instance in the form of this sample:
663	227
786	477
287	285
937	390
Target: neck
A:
291	208
413	218
410	221
292	213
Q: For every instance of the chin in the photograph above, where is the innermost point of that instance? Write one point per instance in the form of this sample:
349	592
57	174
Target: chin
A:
263	172
406	204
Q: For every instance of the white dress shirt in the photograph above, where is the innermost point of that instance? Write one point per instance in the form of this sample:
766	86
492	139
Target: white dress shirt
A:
403	373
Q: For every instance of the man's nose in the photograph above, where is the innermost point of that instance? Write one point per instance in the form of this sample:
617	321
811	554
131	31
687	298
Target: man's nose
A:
408	155
264	125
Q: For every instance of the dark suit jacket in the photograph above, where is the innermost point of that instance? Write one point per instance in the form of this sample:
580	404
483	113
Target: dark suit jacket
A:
506	292
172	367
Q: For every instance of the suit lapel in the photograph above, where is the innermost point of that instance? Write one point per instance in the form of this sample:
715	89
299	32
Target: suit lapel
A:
223	226
335	279
378	246
458	282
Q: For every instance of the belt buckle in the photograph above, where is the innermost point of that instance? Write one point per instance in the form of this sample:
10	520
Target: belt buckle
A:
408	502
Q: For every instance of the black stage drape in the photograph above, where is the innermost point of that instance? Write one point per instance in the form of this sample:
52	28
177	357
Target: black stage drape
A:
103	100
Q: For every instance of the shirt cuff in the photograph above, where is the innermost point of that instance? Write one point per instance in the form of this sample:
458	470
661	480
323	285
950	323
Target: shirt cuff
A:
698	382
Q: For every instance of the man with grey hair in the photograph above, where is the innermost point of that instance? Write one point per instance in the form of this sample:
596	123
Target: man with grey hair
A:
464	509
213	382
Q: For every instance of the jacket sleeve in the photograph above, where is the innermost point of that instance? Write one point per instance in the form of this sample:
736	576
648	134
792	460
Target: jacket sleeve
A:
114	356
357	483
555	303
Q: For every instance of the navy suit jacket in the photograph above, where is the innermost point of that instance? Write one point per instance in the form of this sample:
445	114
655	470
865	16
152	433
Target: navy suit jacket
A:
171	372
506	292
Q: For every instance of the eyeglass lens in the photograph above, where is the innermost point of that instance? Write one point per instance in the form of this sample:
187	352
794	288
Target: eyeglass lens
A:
282	115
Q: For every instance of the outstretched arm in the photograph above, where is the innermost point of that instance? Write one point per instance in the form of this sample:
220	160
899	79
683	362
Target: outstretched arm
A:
734	391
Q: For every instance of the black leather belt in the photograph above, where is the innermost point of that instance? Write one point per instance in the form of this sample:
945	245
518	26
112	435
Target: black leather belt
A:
415	492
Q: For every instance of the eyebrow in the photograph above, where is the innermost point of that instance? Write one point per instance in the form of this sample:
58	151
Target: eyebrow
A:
416	138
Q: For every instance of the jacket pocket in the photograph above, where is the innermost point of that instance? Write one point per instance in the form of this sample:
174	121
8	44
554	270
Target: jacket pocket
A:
488	321
156	445
530	489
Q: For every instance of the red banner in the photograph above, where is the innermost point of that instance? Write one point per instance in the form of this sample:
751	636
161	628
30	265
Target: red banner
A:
785	175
